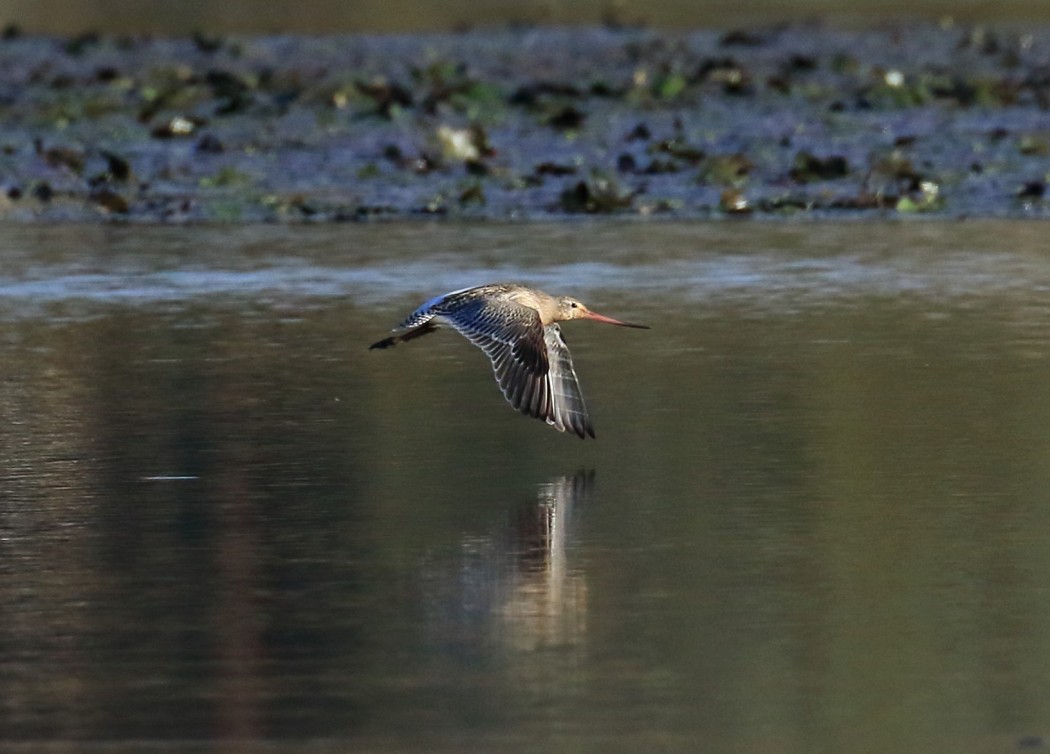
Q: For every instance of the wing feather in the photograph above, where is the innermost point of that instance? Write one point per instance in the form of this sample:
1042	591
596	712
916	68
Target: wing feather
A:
569	410
531	362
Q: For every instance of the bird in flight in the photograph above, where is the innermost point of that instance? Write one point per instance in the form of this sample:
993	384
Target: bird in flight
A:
517	328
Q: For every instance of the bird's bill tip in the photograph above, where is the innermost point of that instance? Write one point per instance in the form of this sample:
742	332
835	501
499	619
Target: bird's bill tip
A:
610	321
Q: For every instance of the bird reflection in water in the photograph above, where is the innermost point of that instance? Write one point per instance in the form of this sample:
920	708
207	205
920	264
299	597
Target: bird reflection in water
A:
546	602
514	588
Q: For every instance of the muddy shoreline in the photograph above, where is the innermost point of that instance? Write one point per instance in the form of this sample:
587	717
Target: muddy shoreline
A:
792	122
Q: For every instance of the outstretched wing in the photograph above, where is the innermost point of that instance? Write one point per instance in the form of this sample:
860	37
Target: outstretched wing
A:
532	363
568	412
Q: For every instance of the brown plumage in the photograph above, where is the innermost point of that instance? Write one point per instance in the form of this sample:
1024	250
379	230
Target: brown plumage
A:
517	328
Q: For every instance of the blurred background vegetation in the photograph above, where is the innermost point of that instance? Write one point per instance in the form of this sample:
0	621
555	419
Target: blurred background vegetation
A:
338	16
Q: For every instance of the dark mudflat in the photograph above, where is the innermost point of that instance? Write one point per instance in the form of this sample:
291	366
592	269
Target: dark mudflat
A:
798	121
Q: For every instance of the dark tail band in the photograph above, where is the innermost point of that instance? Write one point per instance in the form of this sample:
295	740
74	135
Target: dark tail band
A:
393	340
384	343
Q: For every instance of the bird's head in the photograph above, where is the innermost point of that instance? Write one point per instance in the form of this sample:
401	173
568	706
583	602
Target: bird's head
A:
570	308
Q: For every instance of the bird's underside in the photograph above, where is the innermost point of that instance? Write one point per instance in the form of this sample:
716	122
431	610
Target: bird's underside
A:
531	362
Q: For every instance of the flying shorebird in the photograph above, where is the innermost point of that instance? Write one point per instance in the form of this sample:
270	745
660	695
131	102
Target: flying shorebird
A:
517	329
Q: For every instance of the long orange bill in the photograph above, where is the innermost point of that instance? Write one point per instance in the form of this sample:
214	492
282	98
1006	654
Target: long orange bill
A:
610	321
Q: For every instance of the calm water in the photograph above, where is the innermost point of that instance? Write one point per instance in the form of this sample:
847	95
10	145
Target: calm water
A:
326	16
816	517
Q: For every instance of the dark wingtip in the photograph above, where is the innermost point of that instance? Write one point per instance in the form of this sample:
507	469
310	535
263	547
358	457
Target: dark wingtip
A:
585	431
384	343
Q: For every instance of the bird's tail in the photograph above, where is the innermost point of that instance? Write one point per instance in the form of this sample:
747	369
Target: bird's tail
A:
393	340
384	343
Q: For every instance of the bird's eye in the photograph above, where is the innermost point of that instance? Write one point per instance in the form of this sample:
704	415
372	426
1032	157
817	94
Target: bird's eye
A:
573	304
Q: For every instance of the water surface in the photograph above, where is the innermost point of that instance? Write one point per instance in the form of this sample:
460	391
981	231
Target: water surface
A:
816	517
